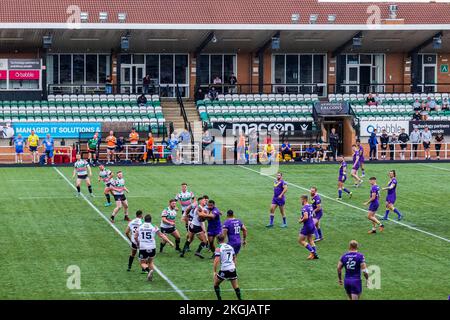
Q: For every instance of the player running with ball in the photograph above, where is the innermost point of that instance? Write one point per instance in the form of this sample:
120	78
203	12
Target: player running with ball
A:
106	176
118	189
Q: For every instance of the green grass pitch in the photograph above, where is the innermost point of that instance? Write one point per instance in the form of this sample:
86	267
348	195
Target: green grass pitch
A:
45	229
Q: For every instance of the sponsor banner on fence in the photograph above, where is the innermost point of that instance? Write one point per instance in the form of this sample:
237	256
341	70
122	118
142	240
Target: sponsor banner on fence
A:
331	108
281	127
394	126
434	126
24	74
56	129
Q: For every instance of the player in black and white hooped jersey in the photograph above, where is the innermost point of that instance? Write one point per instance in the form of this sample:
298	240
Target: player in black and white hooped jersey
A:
118	190
226	258
168	224
82	170
146	242
186	198
130	232
106	176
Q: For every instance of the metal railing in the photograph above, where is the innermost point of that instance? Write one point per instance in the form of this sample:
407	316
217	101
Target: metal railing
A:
8	154
187	124
413	151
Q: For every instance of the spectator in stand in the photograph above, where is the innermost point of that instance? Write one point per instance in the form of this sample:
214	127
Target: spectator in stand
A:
142	100
415	140
392	142
424	111
150	143
333	139
207	140
416	105
199	95
133	137
438	140
403	138
212	94
445	104
217	80
108	85
19	142
111	143
370	100
384	140
146	84
320	153
416	116
49	145
269	152
287	150
310	152
431	104
120	147
233	81
373	142
426	140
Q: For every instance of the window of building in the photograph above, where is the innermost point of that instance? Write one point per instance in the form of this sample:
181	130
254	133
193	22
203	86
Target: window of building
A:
216	65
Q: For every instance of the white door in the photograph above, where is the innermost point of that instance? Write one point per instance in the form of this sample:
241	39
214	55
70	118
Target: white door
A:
131	76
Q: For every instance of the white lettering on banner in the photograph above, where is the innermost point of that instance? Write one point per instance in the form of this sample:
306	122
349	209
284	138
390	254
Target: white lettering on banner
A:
284	127
394	126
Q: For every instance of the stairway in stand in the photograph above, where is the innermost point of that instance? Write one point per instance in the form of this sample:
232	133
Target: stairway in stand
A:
171	111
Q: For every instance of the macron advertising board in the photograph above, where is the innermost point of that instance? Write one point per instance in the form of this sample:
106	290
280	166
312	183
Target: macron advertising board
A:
56	129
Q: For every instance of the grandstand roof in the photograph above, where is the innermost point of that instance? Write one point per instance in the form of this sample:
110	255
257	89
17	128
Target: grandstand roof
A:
218	11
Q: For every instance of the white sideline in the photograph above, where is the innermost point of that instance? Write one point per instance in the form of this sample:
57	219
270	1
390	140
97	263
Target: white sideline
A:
175	288
431	166
168	291
354	207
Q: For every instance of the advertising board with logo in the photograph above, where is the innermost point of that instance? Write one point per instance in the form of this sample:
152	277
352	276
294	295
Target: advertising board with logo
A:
367	127
281	127
434	126
332	108
57	129
21	74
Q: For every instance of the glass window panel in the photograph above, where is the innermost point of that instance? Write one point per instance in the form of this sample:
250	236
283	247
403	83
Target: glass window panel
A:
292	69
365	59
55	69
228	67
65	64
279	69
352	59
166	68
152	66
78	68
125	58
429	59
203	72
318	73
216	67
429	74
181	67
353	74
50	72
138	59
103	68
91	68
306	68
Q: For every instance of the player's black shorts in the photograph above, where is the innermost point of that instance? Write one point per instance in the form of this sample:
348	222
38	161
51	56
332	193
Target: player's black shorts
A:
145	254
134	246
426	145
403	146
83	177
168	230
108	184
195	229
120	197
227	275
91	151
33	149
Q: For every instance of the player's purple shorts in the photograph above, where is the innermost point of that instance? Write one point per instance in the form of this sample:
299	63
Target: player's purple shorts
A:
374	206
342	179
214	232
353	286
318	215
355	167
236	247
391	199
361	159
279	202
306	231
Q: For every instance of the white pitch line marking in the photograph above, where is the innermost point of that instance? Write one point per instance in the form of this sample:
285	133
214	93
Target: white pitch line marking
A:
434	167
352	206
162	275
168	291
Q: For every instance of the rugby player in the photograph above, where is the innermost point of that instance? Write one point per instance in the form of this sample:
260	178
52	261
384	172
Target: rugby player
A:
353	262
185	198
145	240
361	157
305	238
130	232
83	172
278	200
232	229
342	178
118	190
355	167
214	225
106	176
317	213
168	224
391	196
226	258
373	204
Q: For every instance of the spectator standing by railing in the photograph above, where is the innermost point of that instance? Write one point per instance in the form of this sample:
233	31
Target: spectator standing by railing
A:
426	140
120	147
206	145
414	137
146	84
403	138
49	145
133	137
334	142
373	142
111	142
233	81
241	149
438	140
392	142
108	85
384	141
150	145
19	142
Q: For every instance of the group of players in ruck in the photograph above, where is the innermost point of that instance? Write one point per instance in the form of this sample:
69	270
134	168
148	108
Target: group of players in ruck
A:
196	212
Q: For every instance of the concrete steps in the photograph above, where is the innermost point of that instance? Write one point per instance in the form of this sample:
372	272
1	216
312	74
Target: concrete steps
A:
171	111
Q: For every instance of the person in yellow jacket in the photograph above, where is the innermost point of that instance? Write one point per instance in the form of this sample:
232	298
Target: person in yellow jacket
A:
33	142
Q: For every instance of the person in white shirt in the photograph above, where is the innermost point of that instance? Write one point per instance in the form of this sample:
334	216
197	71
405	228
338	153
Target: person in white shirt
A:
426	140
414	138
146	242
130	232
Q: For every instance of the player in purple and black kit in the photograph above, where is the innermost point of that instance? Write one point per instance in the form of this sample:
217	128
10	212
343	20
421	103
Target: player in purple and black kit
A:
278	200
353	262
356	164
374	203
342	178
214	225
232	229
392	196
317	212
361	157
307	231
